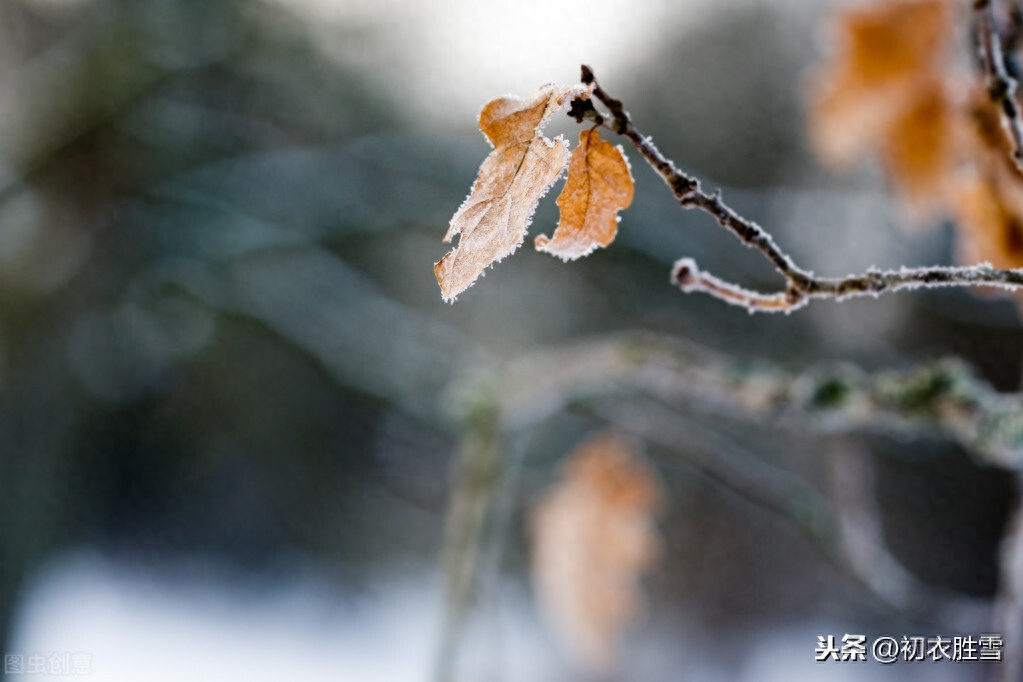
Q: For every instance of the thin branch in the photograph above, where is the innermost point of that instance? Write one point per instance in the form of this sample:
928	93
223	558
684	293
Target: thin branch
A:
801	285
862	544
848	536
724	462
1001	86
690	278
873	282
605	377
470	519
942	398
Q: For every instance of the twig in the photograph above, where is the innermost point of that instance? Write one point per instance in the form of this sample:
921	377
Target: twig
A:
873	282
604	377
862	543
940	398
1001	87
848	537
801	285
471	515
745	474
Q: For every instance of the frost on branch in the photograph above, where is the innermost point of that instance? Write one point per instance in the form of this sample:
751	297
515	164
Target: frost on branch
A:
593	537
599	185
524	164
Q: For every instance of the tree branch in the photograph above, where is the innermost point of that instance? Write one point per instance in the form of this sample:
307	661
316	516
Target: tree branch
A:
1001	87
846	529
801	285
605	377
467	532
941	398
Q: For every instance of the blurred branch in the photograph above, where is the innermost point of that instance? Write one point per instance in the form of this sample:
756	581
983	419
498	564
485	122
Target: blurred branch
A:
941	398
845	529
52	102
471	505
862	547
476	527
742	472
801	285
1001	87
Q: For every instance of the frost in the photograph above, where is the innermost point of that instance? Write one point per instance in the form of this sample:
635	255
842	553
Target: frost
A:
493	219
599	185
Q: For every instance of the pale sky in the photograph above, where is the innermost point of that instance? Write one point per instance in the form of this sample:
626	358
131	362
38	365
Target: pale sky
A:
454	55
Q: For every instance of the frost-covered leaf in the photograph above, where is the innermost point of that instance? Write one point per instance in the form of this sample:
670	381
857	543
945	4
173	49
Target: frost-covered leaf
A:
599	185
524	164
593	536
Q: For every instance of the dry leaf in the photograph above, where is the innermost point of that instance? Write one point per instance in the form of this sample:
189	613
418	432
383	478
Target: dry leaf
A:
919	150
593	536
885	87
599	185
524	164
887	43
988	198
987	141
990	216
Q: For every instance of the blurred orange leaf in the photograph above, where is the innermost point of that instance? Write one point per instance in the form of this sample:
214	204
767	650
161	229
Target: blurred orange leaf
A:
593	536
599	185
524	164
987	197
992	217
885	87
919	148
892	43
987	142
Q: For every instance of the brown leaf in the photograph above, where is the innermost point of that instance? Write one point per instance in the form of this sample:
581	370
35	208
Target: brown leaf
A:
987	141
990	215
886	54
886	43
524	164
987	199
919	149
593	536
599	185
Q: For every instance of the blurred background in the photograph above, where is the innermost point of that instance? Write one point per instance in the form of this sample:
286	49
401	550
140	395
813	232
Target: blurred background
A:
226	441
